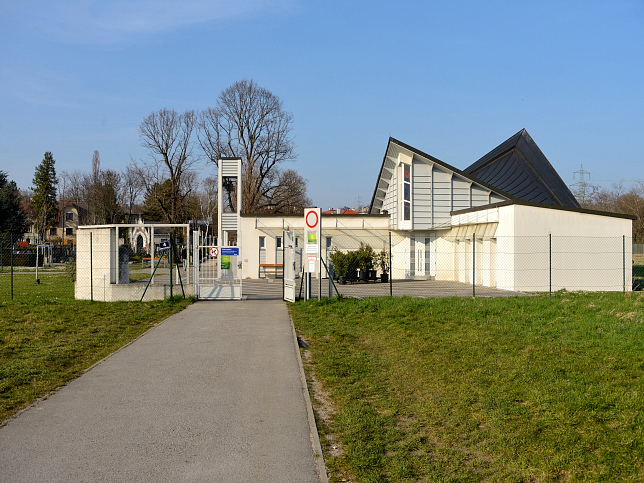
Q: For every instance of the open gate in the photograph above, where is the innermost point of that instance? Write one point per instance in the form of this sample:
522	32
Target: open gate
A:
216	272
289	266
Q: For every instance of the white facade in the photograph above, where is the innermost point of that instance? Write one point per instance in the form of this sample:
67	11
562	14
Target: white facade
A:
446	224
524	247
262	238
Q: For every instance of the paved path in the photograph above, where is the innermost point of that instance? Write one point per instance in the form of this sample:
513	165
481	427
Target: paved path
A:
213	394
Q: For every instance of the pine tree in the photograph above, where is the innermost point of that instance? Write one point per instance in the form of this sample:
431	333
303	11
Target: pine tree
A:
13	220
44	199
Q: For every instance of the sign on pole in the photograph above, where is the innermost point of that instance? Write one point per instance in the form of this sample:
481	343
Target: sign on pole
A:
312	235
214	251
164	245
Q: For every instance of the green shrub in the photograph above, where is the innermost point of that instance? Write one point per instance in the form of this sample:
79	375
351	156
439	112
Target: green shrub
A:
365	256
339	260
70	269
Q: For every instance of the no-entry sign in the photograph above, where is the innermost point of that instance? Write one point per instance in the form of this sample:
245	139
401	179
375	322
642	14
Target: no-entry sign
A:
312	218
312	237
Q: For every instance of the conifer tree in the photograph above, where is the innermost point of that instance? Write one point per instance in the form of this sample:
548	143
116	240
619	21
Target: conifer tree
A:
44	199
13	219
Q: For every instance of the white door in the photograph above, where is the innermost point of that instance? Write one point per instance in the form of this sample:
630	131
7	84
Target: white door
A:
420	256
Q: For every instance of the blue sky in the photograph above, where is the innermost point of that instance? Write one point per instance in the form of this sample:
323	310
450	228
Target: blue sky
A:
453	79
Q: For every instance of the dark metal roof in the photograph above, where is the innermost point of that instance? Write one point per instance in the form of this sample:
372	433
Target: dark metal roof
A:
519	168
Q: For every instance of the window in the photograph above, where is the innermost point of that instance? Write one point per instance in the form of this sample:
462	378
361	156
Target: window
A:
52	231
328	242
406	189
69	231
69	216
278	242
262	242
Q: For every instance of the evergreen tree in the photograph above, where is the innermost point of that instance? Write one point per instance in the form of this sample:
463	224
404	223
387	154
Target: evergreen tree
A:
13	219
44	199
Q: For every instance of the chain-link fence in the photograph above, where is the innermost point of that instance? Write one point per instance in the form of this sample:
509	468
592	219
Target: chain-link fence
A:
431	265
359	265
108	268
30	272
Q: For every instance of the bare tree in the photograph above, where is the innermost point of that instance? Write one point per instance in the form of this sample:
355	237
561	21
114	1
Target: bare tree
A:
618	200
167	135
250	122
290	194
132	188
208	202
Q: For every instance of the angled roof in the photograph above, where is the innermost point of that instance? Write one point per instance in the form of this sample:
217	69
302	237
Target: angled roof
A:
388	165
519	168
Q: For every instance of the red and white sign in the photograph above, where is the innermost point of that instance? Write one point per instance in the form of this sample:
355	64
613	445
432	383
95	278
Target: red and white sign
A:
312	233
312	218
214	251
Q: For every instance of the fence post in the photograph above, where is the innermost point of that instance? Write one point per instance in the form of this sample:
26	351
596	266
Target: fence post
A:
11	262
91	269
550	263
171	256
624	261
391	271
473	264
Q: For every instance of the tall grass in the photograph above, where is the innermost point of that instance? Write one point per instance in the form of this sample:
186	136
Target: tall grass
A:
520	389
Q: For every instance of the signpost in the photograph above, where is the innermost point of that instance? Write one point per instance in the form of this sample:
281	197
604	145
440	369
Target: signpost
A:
312	235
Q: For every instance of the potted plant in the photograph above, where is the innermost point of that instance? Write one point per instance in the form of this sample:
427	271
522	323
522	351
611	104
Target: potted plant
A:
365	256
340	267
352	266
382	262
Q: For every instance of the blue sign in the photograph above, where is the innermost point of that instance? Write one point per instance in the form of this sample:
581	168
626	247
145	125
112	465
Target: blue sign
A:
164	245
229	251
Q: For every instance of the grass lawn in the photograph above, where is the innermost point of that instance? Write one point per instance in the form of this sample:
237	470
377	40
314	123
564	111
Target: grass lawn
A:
47	338
519	389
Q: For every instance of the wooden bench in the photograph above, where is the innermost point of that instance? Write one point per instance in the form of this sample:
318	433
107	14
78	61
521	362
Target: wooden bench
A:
276	269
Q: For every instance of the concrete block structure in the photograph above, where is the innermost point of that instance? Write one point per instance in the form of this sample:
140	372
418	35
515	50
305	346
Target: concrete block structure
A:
103	267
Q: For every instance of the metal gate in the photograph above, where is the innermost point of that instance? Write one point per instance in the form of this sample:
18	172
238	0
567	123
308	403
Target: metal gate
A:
289	266
216	272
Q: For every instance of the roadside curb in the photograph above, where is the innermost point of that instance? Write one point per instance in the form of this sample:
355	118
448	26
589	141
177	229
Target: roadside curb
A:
315	439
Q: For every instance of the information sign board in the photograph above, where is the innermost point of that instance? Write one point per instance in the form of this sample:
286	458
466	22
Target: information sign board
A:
312	236
228	251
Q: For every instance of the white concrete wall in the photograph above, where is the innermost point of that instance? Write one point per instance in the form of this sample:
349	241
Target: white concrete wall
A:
99	280
587	250
101	270
338	227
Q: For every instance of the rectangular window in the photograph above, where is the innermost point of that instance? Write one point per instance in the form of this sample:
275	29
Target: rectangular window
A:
52	231
69	231
406	189
328	242
278	242
69	216
262	242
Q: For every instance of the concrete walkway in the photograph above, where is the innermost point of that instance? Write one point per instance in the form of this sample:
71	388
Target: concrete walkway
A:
213	394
